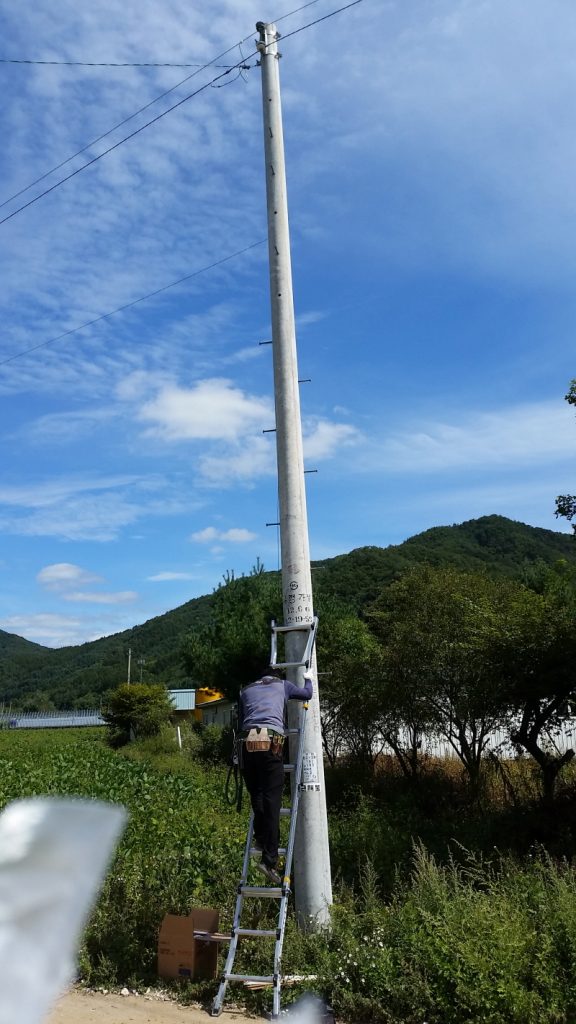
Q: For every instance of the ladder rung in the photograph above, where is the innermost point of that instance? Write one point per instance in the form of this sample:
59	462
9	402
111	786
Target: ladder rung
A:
271	932
292	732
289	767
291	629
285	812
261	890
254	851
290	664
267	978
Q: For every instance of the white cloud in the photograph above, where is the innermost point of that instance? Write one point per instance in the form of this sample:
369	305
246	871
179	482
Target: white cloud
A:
518	436
205	536
50	492
324	439
213	409
236	535
245	355
62	575
314	316
77	508
48	629
246	462
85	597
166	577
67	426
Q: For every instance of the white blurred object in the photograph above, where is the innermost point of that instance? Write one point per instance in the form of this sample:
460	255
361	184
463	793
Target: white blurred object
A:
53	854
308	1009
309	674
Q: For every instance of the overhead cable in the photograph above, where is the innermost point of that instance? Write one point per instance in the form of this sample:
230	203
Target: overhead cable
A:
141	110
106	64
136	64
124	121
134	302
168	110
318	20
116	145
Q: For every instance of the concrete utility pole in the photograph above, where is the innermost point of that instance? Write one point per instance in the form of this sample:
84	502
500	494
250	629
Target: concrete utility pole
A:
312	877
129	664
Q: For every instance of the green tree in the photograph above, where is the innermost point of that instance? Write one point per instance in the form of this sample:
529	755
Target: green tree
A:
566	503
539	654
438	629
138	709
233	648
351	683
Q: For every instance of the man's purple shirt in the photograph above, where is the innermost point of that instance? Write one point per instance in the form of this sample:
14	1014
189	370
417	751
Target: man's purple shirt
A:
263	702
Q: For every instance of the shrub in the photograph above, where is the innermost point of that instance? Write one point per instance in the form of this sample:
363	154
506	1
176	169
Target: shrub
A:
136	710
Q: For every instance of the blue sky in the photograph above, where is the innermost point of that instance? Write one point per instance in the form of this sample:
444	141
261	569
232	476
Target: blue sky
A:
430	154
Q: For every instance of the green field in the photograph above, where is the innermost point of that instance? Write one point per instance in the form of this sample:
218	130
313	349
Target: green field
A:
484	939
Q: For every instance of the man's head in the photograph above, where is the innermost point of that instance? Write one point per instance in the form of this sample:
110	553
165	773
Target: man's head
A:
273	673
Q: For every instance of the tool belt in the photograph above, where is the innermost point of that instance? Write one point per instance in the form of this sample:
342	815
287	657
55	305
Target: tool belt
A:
260	738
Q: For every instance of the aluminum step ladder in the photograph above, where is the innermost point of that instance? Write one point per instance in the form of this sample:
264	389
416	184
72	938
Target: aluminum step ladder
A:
310	627
281	893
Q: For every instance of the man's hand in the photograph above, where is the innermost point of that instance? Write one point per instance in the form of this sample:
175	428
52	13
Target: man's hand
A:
309	674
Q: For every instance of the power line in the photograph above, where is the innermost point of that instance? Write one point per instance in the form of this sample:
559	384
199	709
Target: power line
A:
296	11
106	64
134	302
136	64
121	123
239	65
110	149
318	20
141	110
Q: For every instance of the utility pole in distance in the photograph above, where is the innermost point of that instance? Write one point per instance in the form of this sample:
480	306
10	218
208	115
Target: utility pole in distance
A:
312	877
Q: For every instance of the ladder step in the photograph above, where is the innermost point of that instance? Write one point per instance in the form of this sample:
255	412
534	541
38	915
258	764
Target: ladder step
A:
262	890
300	627
290	664
268	932
292	732
267	978
254	852
285	812
289	767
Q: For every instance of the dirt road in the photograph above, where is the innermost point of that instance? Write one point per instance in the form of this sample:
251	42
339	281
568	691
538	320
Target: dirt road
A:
78	1007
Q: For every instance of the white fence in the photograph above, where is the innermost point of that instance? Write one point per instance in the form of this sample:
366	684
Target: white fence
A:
499	742
49	719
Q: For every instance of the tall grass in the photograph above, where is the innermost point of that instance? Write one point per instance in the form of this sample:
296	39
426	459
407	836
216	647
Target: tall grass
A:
450	938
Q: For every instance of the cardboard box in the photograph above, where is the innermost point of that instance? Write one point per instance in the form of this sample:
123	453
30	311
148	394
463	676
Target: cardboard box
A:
180	955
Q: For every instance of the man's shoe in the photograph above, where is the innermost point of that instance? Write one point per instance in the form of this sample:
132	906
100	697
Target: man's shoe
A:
271	873
256	850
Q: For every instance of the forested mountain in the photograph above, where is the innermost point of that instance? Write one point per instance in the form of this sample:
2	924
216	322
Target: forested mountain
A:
493	543
76	676
11	645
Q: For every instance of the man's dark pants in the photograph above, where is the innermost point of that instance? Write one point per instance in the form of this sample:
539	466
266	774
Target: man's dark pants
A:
263	773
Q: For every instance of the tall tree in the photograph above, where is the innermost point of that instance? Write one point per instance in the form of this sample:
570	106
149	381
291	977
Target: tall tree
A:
233	648
566	503
352	705
437	628
539	657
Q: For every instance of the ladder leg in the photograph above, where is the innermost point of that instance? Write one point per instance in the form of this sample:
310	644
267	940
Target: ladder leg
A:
283	893
219	998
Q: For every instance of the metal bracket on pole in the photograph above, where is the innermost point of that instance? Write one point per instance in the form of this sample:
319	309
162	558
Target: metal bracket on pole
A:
310	627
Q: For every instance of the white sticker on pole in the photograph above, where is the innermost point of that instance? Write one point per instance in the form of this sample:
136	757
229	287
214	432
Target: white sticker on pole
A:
310	781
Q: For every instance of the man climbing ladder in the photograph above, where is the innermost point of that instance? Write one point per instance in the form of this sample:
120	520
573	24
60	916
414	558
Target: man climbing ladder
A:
262	708
261	717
